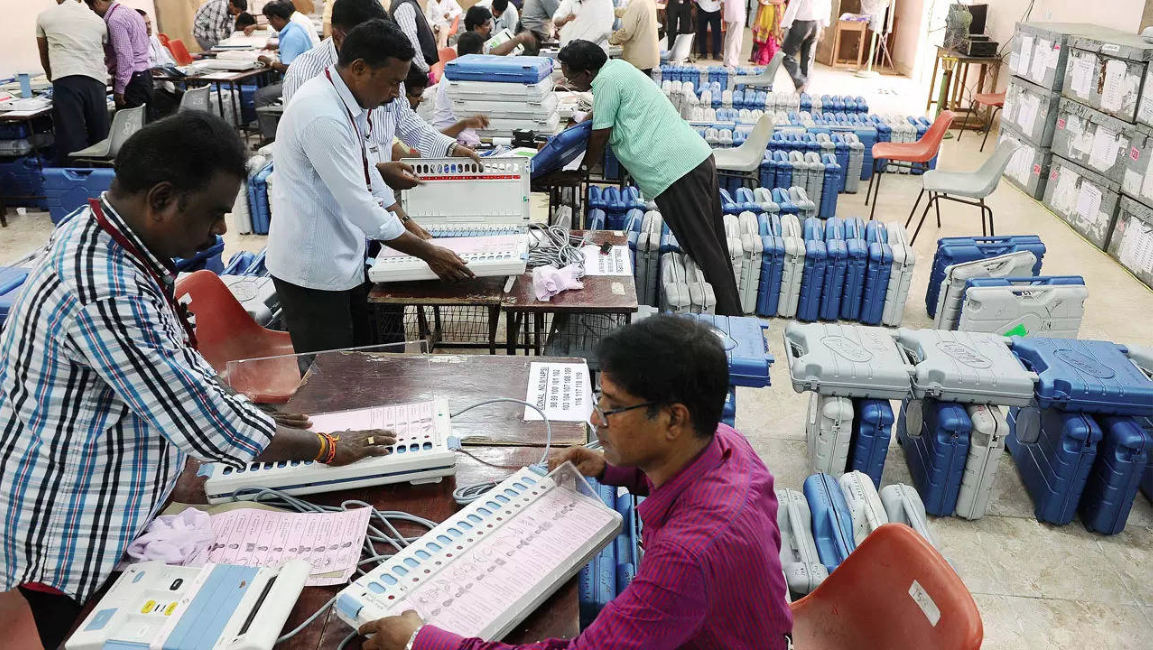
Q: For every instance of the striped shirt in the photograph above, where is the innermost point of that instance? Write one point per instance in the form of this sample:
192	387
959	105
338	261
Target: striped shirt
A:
212	23
649	137
101	400
128	50
393	120
711	575
405	16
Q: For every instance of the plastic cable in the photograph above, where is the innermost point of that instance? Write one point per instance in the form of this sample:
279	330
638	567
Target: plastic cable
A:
466	494
557	247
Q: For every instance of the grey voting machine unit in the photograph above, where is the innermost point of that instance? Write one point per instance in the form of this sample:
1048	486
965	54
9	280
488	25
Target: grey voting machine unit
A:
967	367
846	361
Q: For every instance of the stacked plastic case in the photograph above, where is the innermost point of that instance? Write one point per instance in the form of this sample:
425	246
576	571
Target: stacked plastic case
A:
952	292
1024	306
516	93
955	250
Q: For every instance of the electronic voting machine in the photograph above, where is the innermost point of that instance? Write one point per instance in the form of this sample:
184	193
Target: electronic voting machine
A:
490	565
420	455
479	211
213	607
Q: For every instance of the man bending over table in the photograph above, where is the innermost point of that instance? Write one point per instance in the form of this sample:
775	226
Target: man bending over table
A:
711	576
102	392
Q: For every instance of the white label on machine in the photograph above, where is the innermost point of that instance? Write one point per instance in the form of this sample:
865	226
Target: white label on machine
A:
1111	94
1027	115
562	390
1104	151
1089	203
1137	249
1066	186
616	262
1025	57
1082	76
925	602
1041	60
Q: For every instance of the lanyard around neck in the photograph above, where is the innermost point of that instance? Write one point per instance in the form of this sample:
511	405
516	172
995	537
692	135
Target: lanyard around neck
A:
355	128
134	251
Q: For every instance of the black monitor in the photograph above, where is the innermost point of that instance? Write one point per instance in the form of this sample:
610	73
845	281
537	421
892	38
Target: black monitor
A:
979	12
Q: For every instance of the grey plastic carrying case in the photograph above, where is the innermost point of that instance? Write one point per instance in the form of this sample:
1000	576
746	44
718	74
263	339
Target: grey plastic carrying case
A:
966	367
799	559
904	506
952	293
828	429
1092	139
986	446
1024	307
846	361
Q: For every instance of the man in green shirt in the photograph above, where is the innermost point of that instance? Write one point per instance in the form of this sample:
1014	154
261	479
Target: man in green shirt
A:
670	162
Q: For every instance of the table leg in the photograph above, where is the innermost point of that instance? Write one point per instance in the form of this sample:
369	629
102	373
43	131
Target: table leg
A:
235	88
537	326
220	99
422	330
438	327
510	330
493	323
932	82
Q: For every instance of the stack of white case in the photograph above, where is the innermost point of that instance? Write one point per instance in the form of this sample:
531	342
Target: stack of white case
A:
701	295
508	106
901	277
864	504
674	284
986	446
648	258
827	432
735	247
794	266
949	299
754	248
799	559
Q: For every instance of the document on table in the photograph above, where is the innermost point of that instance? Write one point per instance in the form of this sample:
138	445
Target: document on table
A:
616	262
562	390
1113	91
330	541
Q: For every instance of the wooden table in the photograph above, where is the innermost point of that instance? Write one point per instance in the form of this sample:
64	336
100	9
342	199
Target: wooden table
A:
858	27
221	77
500	443
956	75
483	293
602	294
15	117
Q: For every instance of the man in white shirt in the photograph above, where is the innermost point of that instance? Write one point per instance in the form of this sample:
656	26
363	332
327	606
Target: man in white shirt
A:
328	198
803	20
440	14
71	41
308	25
504	14
708	17
584	20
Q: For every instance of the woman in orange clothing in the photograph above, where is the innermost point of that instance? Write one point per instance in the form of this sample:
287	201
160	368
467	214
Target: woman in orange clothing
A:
767	31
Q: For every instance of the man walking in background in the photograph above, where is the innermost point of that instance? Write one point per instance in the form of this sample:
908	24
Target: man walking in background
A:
127	55
71	41
803	20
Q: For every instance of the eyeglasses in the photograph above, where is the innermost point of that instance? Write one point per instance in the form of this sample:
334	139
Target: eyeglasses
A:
604	415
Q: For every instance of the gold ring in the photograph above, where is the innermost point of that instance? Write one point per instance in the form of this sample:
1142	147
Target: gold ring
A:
372	440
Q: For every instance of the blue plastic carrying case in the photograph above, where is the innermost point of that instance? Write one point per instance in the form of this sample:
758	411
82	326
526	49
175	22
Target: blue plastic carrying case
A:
1086	376
258	202
772	264
955	250
68	189
505	69
878	268
813	278
1122	458
11	279
1054	452
729	412
561	149
832	520
835	267
857	255
745	347
935	437
869	441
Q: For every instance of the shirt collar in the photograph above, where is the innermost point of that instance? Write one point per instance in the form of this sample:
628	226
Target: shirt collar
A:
344	93
163	269
655	508
111	7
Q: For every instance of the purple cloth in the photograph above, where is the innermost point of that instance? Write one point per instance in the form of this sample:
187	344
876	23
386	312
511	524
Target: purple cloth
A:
174	539
548	281
128	48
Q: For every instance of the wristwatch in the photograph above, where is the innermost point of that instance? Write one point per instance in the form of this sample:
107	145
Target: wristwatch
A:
452	150
412	639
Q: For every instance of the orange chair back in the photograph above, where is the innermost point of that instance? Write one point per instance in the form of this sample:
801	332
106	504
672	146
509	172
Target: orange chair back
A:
444	55
936	131
455	26
225	332
163	38
179	52
894	592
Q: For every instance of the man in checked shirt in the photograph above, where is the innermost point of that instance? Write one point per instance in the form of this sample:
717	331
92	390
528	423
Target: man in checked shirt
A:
711	575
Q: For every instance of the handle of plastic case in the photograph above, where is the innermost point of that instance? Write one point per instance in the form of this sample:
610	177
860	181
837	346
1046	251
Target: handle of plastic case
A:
77	174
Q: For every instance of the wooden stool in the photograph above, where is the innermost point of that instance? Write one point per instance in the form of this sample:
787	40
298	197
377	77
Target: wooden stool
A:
858	26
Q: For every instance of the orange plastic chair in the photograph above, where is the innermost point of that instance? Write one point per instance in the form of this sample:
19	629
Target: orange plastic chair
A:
894	592
907	154
444	55
179	52
455	26
226	332
163	38
995	102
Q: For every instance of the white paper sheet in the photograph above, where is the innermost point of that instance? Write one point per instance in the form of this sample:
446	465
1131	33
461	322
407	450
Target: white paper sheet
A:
1088	204
1112	93
1026	56
1027	114
1131	184
617	262
1082	75
1063	193
1019	164
1147	182
1137	248
562	390
1103	153
330	541
1040	60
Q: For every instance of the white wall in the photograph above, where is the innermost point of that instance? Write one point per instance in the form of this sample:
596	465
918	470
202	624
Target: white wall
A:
18	51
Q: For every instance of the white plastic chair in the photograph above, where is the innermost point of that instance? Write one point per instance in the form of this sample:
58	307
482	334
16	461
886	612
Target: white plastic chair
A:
765	78
195	99
744	162
125	122
974	187
682	48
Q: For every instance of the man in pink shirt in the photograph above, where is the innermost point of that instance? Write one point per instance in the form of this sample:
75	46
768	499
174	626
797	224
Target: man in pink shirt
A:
126	54
711	575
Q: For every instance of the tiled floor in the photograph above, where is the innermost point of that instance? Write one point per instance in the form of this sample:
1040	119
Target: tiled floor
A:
1038	586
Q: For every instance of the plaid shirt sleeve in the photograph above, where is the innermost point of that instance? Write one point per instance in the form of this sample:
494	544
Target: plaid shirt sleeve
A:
661	610
130	344
212	23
